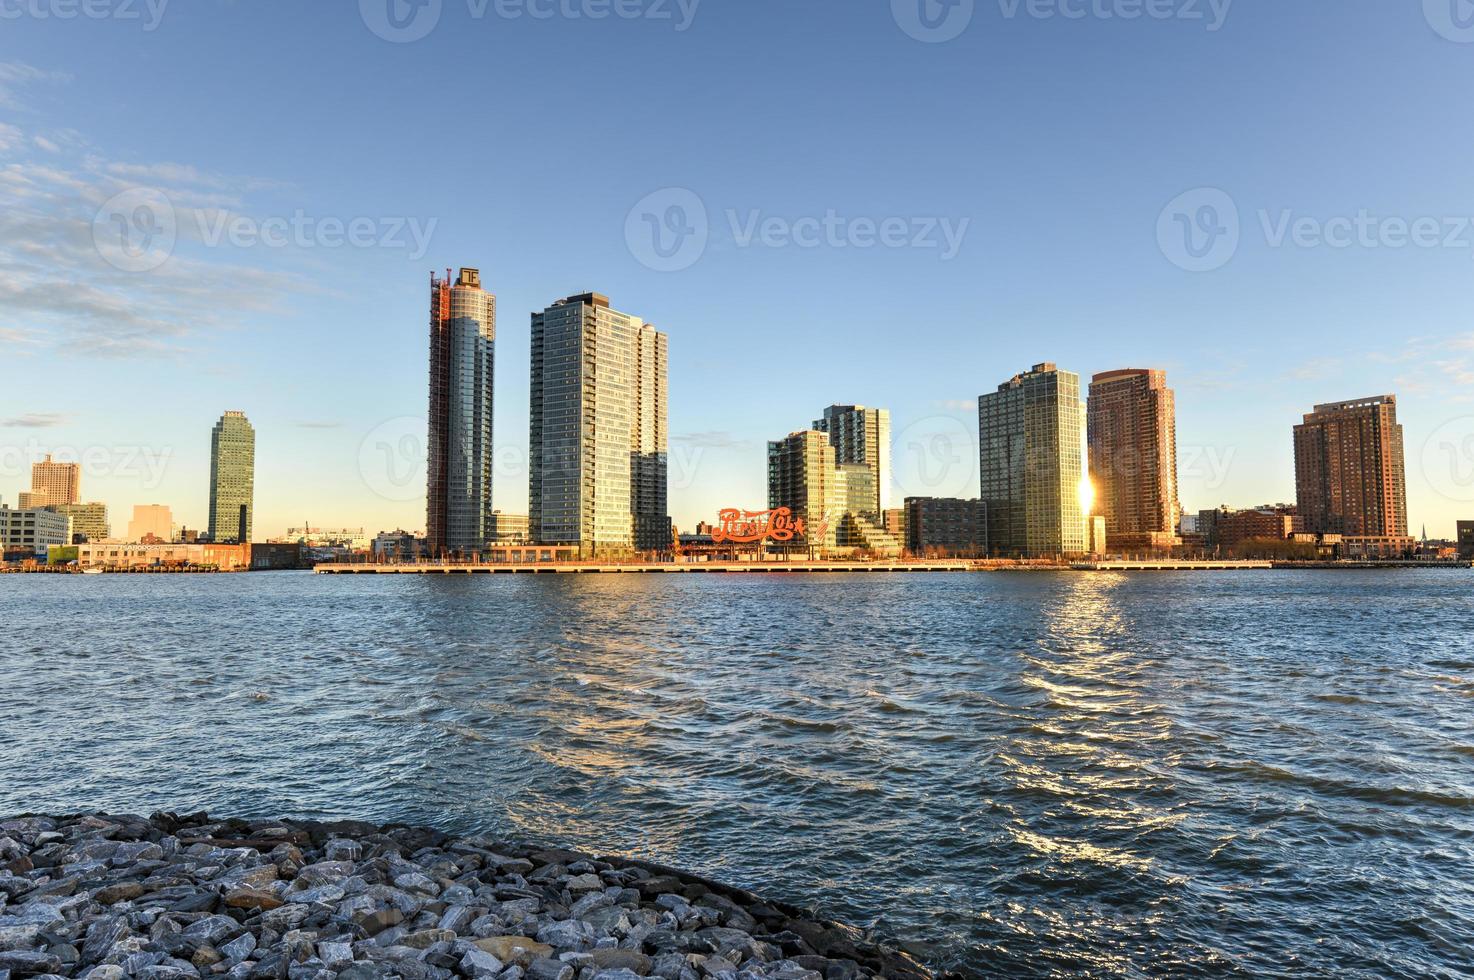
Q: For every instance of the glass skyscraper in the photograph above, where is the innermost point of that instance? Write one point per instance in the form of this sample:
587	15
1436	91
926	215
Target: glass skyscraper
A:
232	479
598	440
1030	444
462	358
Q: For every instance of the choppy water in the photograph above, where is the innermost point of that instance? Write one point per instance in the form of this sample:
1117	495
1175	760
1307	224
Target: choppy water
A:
1034	774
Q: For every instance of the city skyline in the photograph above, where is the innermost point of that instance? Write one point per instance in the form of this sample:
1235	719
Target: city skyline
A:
848	440
1059	261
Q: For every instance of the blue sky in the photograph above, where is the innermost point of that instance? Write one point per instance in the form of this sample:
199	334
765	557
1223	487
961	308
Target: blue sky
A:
827	150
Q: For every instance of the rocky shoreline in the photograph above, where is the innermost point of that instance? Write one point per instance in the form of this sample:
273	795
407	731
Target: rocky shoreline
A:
173	897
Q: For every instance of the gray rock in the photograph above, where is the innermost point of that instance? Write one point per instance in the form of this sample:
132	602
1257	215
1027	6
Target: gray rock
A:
343	849
567	934
480	963
134	851
29	962
213	929
546	969
239	948
457	918
622	959
335	955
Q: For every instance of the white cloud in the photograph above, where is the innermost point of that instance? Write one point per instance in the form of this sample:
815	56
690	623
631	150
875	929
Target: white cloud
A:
15	75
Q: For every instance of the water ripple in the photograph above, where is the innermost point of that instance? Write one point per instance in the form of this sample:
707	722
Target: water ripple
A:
1034	775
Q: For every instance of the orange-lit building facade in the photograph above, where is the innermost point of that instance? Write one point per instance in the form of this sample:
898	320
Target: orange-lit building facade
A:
1349	470
1131	428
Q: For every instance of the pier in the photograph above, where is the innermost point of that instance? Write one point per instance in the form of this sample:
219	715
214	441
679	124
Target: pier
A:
1171	566
652	568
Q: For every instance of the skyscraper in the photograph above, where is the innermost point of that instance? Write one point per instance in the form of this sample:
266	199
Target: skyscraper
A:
1349	472
53	484
597	421
1132	433
650	448
1030	446
232	479
459	456
803	477
862	436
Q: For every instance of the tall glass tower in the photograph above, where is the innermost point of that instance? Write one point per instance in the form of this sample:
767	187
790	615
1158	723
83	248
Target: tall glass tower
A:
598	435
1031	440
232	479
462	357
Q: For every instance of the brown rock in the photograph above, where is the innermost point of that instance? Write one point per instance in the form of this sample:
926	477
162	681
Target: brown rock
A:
121	892
615	959
515	949
379	920
206	957
252	898
260	877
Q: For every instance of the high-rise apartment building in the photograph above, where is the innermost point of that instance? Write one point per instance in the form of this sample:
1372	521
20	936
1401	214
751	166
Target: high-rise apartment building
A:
232	479
459	451
53	484
598	439
803	476
151	521
650	449
862	436
1030	448
1131	429
1349	471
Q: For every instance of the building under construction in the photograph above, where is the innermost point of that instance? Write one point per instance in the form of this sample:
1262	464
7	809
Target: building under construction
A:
459	452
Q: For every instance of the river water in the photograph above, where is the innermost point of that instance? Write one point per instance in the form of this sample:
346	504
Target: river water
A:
1238	774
